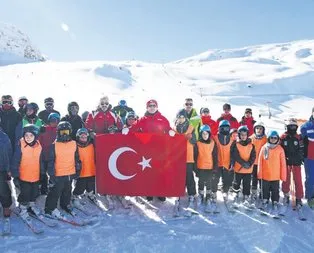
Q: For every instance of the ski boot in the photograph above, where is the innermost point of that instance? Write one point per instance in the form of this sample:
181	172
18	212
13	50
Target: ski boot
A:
23	212
77	203
200	198
264	206
235	201
34	209
275	211
176	208
286	199
191	202
213	201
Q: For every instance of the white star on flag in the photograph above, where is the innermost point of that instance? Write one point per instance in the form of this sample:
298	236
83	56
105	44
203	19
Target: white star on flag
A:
145	163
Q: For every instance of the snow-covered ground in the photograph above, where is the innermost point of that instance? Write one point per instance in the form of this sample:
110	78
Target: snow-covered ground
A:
276	77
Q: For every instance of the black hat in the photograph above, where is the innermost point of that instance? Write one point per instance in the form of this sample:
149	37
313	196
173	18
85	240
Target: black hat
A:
226	107
248	110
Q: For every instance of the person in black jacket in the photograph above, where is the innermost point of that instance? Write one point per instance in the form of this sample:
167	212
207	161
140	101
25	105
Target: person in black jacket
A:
5	176
74	119
122	109
10	120
49	105
22	105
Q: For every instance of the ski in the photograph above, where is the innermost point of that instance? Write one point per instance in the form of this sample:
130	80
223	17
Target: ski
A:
98	204
124	202
6	229
265	213
300	214
28	221
65	220
143	201
43	220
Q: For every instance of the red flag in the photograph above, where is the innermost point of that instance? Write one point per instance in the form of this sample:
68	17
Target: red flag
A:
140	164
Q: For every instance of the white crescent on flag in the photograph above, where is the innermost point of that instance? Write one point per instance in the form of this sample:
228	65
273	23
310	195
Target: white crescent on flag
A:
112	163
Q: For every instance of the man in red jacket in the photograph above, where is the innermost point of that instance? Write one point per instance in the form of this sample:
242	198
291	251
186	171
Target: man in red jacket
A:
207	120
228	116
100	120
248	120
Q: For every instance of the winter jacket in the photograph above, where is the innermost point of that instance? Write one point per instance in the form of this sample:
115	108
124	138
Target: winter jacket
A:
122	111
243	156
205	155
153	123
224	148
187	130
207	120
258	143
307	132
99	121
193	118
76	123
46	138
249	122
232	120
35	121
43	115
64	160
272	163
27	163
5	152
294	149
11	124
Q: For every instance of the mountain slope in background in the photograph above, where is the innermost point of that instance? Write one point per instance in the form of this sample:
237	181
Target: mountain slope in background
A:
16	47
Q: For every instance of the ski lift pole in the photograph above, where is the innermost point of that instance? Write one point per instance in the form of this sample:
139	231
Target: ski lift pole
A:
269	112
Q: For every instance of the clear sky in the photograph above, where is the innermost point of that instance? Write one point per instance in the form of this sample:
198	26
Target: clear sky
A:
155	30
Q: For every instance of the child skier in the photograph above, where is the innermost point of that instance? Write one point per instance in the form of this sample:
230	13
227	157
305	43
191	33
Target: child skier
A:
64	165
46	138
205	155
271	169
5	177
243	156
183	127
292	144
27	166
130	123
259	139
86	181
224	142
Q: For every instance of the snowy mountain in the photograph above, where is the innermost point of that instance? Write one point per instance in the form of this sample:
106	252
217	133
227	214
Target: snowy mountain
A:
274	78
16	47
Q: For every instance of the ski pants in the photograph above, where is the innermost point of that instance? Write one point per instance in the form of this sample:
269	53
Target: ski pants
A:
60	188
227	179
5	192
29	192
190	182
270	189
255	180
297	177
84	184
208	178
309	178
246	183
44	179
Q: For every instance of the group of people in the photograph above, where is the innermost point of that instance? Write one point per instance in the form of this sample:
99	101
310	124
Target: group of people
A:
37	147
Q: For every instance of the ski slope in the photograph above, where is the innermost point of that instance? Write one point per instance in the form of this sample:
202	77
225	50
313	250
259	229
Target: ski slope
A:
275	77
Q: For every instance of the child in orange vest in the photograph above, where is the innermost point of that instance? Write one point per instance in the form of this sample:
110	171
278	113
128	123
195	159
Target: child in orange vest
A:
64	166
259	139
86	181
243	156
27	165
271	169
205	153
185	128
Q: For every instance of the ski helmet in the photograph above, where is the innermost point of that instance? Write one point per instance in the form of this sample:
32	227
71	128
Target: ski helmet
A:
53	117
32	106
49	100
131	115
224	123
73	104
122	103
31	128
204	110
233	130
243	129
80	132
205	128
291	125
272	134
64	130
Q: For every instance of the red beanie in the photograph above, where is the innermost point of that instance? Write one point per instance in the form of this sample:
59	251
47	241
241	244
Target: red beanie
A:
152	101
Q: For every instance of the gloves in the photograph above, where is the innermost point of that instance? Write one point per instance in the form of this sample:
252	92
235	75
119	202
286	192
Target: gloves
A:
246	165
125	131
172	133
188	136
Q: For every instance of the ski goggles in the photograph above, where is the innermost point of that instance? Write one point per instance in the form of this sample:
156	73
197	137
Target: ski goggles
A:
188	104
225	128
104	103
49	104
64	132
205	111
7	102
293	127
273	138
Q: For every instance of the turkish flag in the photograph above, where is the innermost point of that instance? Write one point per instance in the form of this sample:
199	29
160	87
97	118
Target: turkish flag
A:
140	164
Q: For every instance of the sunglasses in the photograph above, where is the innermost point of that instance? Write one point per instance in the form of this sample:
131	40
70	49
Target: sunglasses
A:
104	103
130	118
49	104
188	104
7	102
225	128
274	138
152	105
64	132
293	127
205	111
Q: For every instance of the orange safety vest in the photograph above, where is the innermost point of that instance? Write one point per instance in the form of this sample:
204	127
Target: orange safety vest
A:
65	158
274	168
258	144
244	152
205	155
30	162
87	157
224	155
